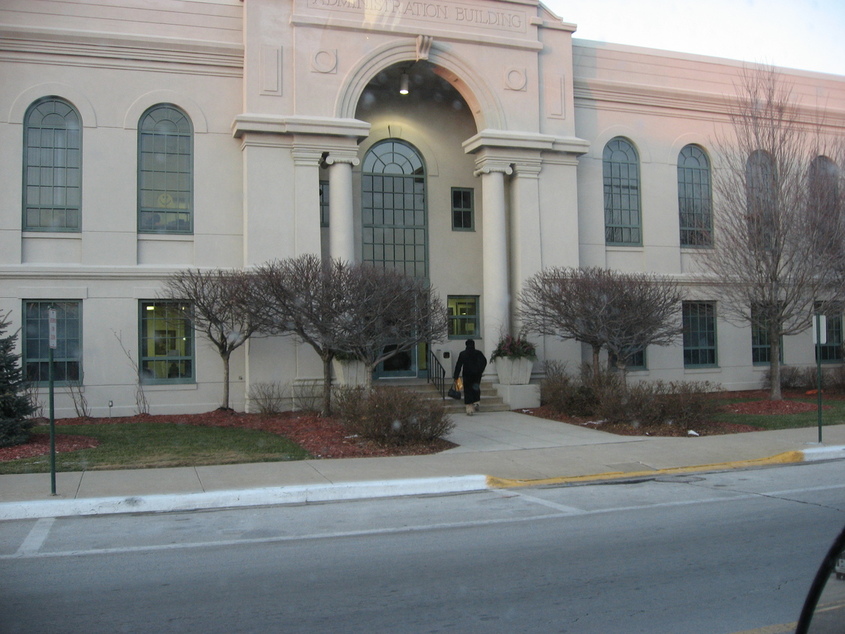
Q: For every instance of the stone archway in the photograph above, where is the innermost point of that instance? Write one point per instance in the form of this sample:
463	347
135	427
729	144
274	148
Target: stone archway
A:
485	107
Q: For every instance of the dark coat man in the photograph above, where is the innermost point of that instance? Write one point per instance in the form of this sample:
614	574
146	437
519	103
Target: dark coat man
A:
472	363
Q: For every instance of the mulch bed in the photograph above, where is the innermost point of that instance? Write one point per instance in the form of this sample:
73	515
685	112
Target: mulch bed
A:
321	437
761	405
707	428
327	438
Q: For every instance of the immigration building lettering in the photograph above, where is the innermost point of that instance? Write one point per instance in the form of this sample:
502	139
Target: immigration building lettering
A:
441	12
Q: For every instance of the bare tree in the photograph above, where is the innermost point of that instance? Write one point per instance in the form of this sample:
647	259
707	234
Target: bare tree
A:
394	314
354	309
311	300
620	312
220	310
778	248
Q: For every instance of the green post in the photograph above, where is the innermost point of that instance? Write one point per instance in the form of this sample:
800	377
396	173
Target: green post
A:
819	370
52	339
52	427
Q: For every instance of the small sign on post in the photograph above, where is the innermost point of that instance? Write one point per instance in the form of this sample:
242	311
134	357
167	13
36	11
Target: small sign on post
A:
52	336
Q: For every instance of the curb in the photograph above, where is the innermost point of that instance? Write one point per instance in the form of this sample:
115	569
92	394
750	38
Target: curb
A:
297	494
789	457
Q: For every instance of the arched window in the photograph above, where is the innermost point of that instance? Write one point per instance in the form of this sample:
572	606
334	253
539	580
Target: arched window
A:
621	170
823	189
761	199
52	187
694	207
165	171
394	208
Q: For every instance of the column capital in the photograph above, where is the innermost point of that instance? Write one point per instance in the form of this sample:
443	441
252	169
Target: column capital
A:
306	156
487	165
528	169
335	157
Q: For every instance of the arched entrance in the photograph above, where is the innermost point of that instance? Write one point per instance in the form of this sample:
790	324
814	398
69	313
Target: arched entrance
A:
395	223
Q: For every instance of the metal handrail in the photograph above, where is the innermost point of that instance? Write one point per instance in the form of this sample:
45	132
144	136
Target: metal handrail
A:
436	373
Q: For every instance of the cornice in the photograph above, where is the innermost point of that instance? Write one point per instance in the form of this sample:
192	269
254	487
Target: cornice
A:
598	93
531	141
52	273
288	125
38	45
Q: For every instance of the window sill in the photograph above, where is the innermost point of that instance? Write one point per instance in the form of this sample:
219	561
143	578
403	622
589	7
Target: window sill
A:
167	237
73	234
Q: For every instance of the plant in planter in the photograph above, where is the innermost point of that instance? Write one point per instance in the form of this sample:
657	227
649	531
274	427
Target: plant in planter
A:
349	370
514	358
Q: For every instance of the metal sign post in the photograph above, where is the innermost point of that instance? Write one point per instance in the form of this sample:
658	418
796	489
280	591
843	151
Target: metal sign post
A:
820	338
51	321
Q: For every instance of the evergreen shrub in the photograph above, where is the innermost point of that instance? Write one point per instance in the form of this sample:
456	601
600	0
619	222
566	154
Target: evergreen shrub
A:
15	404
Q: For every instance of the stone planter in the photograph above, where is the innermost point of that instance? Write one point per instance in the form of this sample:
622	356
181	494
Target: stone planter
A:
350	373
514	371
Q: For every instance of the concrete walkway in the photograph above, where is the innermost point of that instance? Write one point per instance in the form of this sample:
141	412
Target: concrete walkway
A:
495	449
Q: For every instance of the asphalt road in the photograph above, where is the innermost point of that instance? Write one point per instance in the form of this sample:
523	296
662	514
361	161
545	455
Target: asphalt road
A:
713	553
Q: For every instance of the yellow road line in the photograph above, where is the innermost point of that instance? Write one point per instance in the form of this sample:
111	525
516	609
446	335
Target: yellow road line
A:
782	458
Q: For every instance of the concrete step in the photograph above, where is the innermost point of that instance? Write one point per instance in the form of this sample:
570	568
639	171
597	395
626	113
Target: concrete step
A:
490	400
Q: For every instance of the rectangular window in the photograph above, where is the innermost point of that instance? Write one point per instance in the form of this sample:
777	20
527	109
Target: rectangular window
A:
67	356
463	316
635	362
167	343
463	213
761	350
699	330
831	352
324	203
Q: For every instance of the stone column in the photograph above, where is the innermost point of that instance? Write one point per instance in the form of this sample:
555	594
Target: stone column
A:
496	297
341	221
306	225
525	228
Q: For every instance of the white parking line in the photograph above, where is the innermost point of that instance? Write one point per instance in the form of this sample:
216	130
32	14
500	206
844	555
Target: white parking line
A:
37	536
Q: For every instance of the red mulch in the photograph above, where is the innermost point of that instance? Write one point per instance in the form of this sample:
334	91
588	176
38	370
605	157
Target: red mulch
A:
321	437
763	407
327	438
707	428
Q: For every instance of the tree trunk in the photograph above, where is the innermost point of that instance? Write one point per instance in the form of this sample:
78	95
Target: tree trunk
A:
327	385
774	368
225	357
596	353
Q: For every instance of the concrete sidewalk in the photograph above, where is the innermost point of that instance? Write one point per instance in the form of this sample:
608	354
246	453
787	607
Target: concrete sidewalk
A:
495	449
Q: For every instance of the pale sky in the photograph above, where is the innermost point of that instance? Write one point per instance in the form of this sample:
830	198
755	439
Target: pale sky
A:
803	34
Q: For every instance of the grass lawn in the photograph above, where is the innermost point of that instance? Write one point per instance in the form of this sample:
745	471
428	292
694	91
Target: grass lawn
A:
149	445
833	413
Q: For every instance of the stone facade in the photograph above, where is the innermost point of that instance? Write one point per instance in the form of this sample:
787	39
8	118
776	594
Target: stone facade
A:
287	99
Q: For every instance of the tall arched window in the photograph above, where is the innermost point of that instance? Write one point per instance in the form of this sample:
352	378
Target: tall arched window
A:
621	170
52	187
761	198
694	207
823	189
165	171
394	208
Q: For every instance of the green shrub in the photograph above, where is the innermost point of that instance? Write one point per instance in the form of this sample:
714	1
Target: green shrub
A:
16	406
392	416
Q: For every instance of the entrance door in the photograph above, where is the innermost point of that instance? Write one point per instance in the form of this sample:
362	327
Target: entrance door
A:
395	223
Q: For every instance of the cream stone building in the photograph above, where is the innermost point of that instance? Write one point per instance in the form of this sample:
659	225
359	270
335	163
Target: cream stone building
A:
138	138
